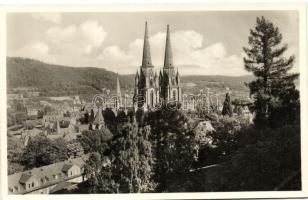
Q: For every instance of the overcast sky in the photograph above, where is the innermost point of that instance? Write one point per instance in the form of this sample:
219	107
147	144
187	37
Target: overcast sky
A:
208	43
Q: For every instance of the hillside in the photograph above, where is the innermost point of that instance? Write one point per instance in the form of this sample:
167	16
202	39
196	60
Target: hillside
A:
56	80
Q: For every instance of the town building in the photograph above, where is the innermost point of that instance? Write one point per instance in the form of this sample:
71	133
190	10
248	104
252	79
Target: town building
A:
152	89
48	179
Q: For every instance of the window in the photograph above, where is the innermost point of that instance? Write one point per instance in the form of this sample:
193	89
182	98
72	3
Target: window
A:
42	180
174	95
32	184
152	99
29	185
71	173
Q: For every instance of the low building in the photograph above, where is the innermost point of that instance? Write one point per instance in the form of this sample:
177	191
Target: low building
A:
15	96
47	179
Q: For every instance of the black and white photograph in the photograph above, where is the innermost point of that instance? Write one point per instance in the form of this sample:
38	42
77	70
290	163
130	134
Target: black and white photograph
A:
160	101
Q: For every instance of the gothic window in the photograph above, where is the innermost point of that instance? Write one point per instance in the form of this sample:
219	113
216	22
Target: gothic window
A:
152	98
174	95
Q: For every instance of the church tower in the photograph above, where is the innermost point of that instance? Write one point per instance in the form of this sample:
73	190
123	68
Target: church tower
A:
146	94
118	100
169	78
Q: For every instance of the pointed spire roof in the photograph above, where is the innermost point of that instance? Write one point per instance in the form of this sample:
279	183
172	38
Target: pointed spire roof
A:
146	57
99	119
168	63
137	75
119	95
118	86
160	73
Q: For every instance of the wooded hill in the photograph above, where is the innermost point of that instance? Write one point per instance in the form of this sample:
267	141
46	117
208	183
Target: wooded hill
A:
56	80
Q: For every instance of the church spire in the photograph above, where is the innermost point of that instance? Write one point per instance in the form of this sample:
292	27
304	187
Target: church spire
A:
168	63
146	58
119	96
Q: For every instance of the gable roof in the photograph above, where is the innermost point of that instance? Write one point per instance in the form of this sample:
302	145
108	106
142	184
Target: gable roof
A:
46	173
66	167
25	177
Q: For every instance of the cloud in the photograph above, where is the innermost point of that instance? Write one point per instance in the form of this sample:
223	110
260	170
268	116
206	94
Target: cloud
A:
60	34
94	32
36	49
49	17
33	48
82	45
80	39
189	55
40	47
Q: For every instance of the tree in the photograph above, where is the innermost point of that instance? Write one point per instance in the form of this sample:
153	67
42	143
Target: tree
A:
14	155
224	136
42	151
132	160
95	140
274	86
48	109
110	120
145	172
227	108
265	162
174	145
105	182
40	114
99	175
94	164
67	114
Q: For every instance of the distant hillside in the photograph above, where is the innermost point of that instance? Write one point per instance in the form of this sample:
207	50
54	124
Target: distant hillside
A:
56	80
217	84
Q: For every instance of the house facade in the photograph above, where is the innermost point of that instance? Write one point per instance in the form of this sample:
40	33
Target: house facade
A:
48	179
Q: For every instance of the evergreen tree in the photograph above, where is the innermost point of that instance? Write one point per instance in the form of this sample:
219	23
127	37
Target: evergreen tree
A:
99	175
227	108
131	165
174	145
94	163
105	181
276	99
145	172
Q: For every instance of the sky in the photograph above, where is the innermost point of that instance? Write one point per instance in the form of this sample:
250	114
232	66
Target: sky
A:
203	42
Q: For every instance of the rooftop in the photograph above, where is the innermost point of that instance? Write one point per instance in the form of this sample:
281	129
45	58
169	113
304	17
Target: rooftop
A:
45	175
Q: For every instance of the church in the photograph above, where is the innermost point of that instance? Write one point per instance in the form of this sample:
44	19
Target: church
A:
152	89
